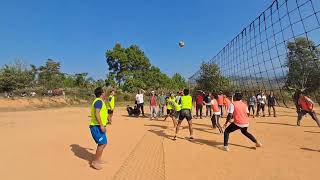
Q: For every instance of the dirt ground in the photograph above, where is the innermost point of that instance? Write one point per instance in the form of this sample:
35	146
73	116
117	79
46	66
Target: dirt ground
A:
55	144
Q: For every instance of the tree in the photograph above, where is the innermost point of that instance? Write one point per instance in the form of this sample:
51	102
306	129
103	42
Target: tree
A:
110	82
210	79
178	82
303	64
15	76
50	75
124	62
81	80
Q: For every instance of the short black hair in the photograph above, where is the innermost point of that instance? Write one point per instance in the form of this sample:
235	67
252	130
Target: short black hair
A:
98	91
237	96
186	92
215	95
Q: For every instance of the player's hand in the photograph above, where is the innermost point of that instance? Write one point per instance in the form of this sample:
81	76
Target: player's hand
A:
103	129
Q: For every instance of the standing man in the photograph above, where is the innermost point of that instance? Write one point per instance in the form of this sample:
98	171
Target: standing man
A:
216	113
306	106
185	112
251	101
271	104
99	118
169	106
220	102
178	97
262	100
153	106
199	105
140	101
208	103
239	111
110	106
162	103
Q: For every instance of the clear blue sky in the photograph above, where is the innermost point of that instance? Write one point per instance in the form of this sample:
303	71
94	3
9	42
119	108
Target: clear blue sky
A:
78	33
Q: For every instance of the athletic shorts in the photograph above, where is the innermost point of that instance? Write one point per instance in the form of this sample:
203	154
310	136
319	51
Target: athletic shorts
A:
99	137
169	111
177	114
185	113
110	111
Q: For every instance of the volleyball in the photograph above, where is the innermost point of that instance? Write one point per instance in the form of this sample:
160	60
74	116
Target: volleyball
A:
181	44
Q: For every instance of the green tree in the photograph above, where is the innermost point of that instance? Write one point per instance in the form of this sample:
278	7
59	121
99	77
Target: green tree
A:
15	76
81	80
110	82
211	80
124	62
303	64
50	75
178	82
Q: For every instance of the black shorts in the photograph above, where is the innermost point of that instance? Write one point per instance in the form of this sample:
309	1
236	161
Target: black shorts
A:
176	114
110	111
169	111
185	113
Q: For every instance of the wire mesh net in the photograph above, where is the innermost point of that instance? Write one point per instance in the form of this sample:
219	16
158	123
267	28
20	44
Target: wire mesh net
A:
256	58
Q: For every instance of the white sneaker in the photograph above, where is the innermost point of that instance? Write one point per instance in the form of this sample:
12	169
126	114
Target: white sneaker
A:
225	148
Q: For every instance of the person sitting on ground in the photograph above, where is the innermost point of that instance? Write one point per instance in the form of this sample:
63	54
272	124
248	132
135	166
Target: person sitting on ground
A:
133	111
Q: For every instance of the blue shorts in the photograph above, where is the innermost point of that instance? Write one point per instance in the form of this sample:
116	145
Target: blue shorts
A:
99	137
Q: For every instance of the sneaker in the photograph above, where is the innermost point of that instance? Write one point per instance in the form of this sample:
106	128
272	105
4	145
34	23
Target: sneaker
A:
191	138
226	148
258	144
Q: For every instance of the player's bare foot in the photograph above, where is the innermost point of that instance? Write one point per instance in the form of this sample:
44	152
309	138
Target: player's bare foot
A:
96	165
258	144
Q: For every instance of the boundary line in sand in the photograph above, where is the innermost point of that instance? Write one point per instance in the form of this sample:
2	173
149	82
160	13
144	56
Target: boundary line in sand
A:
145	162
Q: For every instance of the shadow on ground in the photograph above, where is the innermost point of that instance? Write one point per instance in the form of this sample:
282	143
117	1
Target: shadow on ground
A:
308	149
313	132
81	152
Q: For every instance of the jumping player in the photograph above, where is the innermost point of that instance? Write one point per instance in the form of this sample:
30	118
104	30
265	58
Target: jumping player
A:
99	119
239	111
185	112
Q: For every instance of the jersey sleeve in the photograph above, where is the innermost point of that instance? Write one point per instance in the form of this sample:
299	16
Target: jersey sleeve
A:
98	104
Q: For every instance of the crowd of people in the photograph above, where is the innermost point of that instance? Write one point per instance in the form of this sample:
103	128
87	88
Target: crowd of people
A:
179	107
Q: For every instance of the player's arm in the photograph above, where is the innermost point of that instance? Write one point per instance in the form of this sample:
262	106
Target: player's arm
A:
229	116
98	118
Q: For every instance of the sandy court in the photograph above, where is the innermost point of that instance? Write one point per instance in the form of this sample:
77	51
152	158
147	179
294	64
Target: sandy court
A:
56	144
